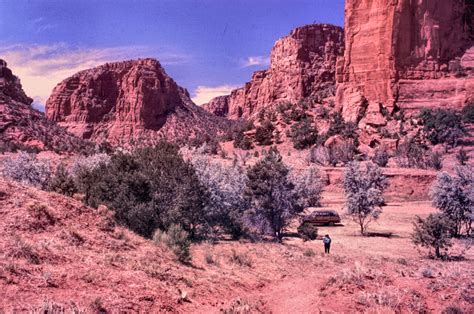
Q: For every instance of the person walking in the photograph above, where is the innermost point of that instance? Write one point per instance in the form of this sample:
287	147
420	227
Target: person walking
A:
327	243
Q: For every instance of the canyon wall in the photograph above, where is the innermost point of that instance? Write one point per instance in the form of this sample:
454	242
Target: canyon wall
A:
407	55
302	65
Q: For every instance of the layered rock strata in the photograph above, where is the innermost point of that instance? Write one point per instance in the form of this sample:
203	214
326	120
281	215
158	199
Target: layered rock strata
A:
302	64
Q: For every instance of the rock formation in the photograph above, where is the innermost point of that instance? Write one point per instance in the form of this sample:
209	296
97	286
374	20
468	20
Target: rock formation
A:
23	127
302	65
128	102
405	55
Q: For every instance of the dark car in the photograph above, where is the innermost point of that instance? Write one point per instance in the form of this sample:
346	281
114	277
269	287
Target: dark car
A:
321	217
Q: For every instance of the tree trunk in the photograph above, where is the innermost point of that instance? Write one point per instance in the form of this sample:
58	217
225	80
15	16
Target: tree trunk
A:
438	254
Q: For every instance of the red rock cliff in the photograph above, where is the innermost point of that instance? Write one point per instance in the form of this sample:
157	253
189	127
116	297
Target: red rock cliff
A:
302	64
22	127
125	102
405	54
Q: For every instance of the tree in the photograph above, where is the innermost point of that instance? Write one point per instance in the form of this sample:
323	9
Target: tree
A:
150	188
442	126
433	232
303	134
271	195
62	182
453	196
226	185
308	187
363	187
264	133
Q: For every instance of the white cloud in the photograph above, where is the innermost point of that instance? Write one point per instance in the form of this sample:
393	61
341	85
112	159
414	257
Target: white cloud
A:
255	61
41	67
205	93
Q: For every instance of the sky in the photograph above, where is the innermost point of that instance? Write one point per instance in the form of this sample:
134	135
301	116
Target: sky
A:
207	46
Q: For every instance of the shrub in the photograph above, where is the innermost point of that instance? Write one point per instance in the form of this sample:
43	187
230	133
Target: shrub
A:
264	133
308	231
27	169
435	160
433	232
468	113
303	134
381	157
412	154
454	197
338	126
342	152
242	141
177	240
309	253
226	185
89	163
240	259
151	188
462	157
442	126
271	195
363	187
320	155
62	182
41	214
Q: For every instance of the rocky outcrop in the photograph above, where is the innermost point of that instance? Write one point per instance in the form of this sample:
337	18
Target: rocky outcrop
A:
23	127
126	103
405	55
302	65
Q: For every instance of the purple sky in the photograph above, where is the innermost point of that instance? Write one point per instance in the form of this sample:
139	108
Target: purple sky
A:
207	46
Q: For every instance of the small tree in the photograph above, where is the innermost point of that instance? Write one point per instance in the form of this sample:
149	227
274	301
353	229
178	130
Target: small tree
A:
271	195
364	186
264	133
453	196
62	182
308	187
433	232
303	134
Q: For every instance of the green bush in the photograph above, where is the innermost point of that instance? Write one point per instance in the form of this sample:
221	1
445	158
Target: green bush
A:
442	126
150	188
308	231
468	113
264	133
381	157
303	134
62	182
177	240
462	157
434	232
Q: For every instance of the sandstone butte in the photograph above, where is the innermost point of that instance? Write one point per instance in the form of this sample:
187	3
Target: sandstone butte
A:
22	126
302	64
405	55
130	102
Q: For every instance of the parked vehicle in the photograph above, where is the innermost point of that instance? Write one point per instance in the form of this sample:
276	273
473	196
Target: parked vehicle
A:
321	217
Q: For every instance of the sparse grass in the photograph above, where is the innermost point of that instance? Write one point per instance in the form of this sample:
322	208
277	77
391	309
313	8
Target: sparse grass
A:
240	306
41	214
22	249
241	259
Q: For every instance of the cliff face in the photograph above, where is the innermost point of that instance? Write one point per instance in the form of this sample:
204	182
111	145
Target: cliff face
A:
127	102
23	127
407	55
302	64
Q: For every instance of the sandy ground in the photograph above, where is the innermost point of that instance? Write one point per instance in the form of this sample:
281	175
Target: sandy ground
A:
79	261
